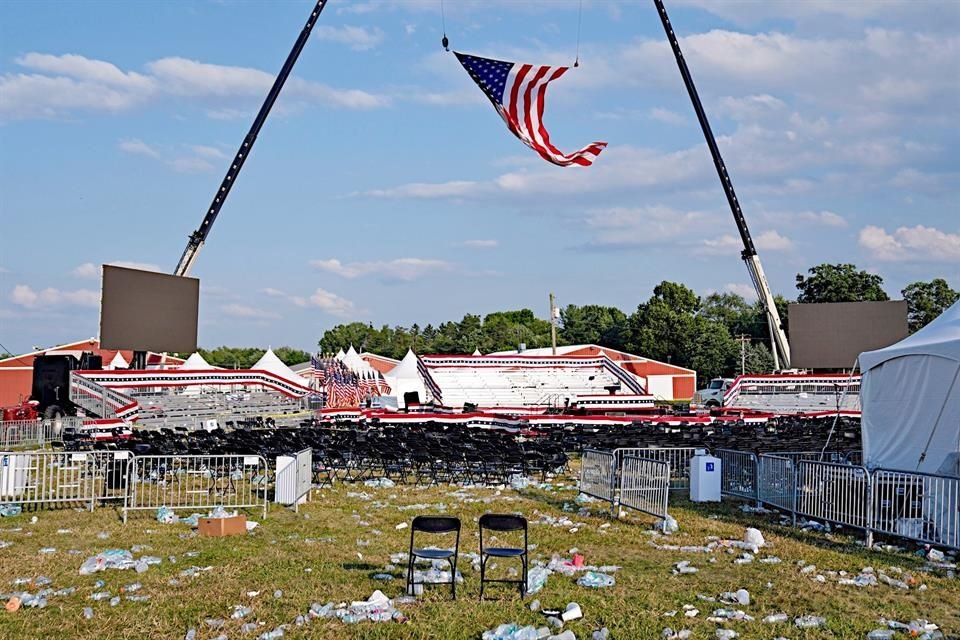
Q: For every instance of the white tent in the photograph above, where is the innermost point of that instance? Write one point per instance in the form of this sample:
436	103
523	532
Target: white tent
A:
352	360
196	363
910	394
270	362
404	378
118	362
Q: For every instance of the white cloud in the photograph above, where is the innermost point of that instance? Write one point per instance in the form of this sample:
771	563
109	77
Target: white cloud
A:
25	296
826	218
60	85
137	147
327	301
626	227
913	244
207	152
357	38
86	270
410	29
480	244
191	164
273	293
243	311
666	116
426	190
745	291
772	241
402	269
722	245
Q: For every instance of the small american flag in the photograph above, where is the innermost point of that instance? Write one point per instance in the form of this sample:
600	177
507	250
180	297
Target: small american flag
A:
518	93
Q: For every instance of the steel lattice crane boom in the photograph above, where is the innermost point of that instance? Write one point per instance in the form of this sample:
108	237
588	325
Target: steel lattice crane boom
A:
198	237
781	348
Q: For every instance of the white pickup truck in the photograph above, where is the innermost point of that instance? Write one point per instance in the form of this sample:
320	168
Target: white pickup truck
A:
712	396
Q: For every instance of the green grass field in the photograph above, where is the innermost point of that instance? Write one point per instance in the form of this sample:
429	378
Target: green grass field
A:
314	556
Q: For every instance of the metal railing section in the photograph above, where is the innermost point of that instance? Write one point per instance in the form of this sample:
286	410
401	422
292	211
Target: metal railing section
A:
738	473
44	477
831	492
777	482
645	485
678	457
597	474
920	506
198	482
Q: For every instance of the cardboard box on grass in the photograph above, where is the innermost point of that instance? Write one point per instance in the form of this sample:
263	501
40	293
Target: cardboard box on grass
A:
219	527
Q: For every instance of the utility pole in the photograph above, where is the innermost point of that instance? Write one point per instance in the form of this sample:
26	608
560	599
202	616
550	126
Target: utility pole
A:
743	339
553	325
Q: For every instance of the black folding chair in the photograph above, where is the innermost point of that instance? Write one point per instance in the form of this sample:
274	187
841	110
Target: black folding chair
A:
503	523
434	524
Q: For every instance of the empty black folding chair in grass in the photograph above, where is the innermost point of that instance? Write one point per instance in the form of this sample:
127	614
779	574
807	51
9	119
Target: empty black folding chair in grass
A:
434	524
503	523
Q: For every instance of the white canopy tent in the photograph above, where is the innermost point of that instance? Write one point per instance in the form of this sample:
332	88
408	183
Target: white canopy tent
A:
270	362
352	360
118	362
405	378
196	363
910	395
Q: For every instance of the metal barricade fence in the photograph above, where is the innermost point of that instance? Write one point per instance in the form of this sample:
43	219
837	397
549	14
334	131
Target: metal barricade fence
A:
831	492
920	506
27	433
738	473
777	482
645	485
198	482
44	477
678	457
294	478
597	474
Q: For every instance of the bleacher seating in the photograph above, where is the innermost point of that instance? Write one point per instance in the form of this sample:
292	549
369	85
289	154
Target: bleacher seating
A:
517	382
172	410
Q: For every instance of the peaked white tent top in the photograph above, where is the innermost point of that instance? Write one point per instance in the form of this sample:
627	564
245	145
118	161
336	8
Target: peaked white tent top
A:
196	361
407	369
353	361
476	352
270	362
340	354
118	362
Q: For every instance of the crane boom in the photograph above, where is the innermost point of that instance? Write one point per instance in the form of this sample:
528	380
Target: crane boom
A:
198	237
781	348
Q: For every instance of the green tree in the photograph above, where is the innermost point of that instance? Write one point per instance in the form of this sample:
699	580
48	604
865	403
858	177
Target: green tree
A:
590	324
713	353
664	327
734	313
927	300
343	336
839	283
289	355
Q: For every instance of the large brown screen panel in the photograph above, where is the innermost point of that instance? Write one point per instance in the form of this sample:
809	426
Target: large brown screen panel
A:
832	335
148	311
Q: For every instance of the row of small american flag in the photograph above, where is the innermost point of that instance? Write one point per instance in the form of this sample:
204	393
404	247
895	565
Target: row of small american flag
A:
343	387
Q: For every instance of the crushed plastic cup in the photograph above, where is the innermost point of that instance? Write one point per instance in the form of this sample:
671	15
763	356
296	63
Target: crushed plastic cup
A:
572	612
87	613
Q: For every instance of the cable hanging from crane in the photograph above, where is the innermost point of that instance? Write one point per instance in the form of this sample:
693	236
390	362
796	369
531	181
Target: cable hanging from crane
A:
443	23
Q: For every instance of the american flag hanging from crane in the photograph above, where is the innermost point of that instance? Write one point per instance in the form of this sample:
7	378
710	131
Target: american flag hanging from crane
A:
518	93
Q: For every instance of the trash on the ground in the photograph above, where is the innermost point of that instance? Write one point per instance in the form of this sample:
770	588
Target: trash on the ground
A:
572	612
809	622
740	596
726	634
381	483
683	567
776	617
513	631
754	537
9	510
670	525
596	579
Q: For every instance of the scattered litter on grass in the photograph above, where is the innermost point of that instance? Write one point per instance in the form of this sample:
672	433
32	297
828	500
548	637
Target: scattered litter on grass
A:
10	510
595	580
381	483
809	622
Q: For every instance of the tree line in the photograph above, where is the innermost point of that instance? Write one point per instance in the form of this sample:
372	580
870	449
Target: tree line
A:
709	334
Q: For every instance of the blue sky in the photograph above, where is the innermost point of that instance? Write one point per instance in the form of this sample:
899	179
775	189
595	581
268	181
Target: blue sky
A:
384	188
